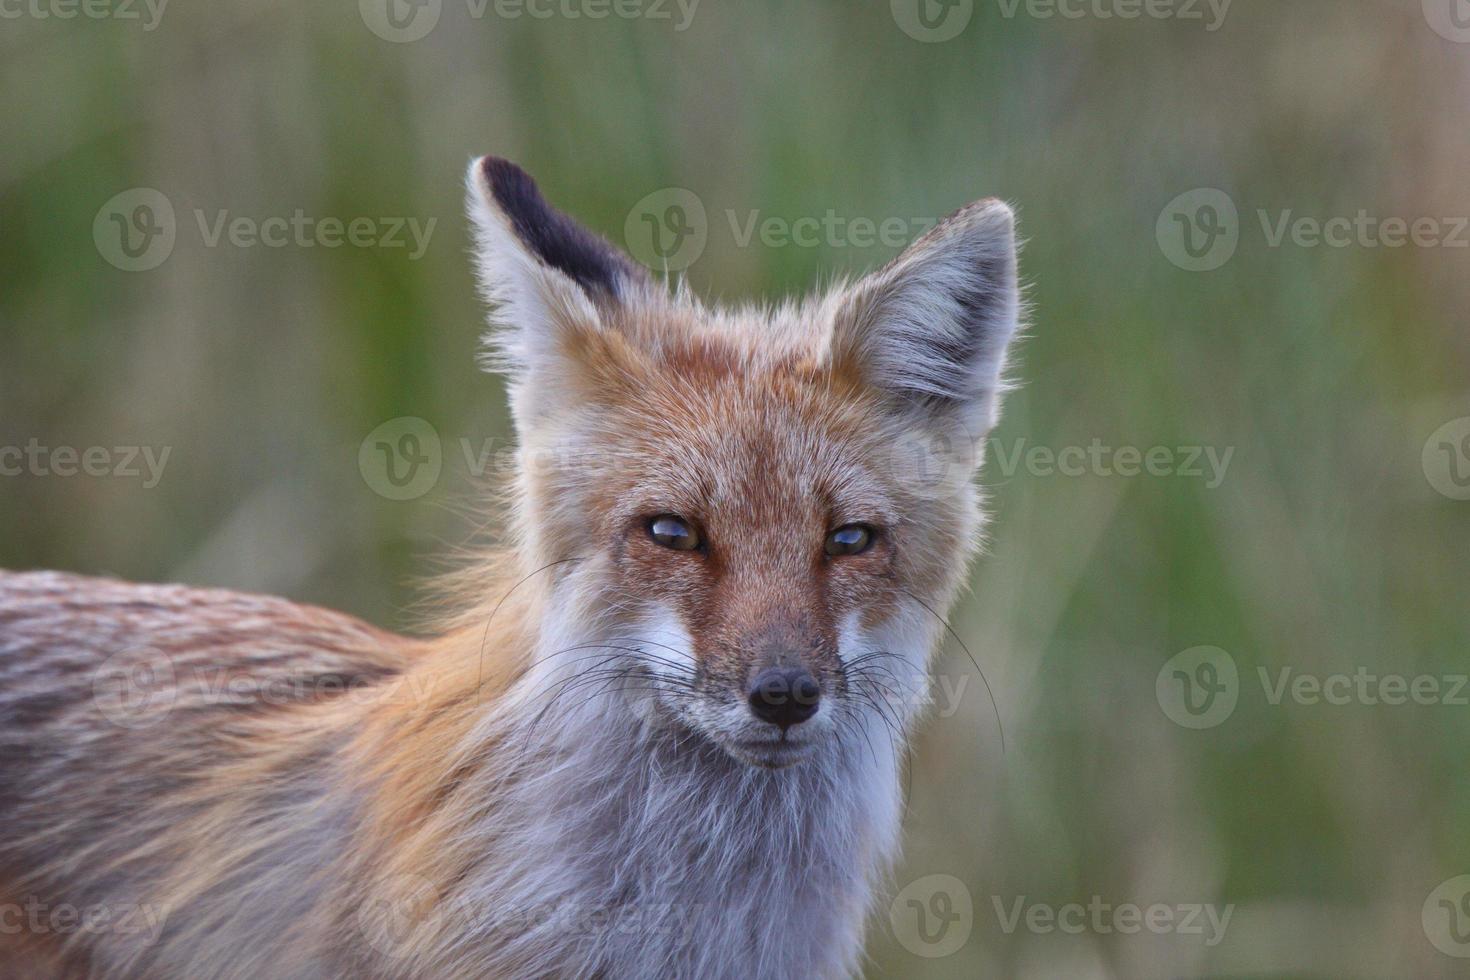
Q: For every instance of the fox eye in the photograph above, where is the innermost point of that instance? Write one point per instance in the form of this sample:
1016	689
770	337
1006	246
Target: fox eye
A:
673	532
850	539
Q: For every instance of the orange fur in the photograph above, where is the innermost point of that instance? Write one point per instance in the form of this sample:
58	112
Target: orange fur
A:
260	788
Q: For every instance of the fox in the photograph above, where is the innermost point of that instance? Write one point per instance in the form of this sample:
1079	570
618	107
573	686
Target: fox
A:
658	728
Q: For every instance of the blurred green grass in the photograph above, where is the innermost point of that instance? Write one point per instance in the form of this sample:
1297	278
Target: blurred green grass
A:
1324	549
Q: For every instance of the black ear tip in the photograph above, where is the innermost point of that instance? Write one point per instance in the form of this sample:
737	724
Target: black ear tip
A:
551	236
507	181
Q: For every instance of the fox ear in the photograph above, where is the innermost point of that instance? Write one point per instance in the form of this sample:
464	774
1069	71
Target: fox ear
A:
544	275
932	327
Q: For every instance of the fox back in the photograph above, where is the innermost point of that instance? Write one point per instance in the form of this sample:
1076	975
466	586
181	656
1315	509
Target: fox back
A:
662	731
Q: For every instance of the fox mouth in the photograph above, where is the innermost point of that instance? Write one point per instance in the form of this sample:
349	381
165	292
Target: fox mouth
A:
769	753
728	724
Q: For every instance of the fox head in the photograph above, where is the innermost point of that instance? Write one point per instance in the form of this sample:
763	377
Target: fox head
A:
757	514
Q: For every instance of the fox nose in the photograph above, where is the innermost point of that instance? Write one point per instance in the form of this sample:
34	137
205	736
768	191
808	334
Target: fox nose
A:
784	696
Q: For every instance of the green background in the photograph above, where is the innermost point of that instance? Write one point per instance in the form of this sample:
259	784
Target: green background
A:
1324	370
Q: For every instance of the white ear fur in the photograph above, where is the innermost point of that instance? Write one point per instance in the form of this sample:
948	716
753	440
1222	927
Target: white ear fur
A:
932	328
529	300
544	276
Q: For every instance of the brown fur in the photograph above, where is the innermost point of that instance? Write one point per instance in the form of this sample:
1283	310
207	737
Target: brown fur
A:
210	788
277	770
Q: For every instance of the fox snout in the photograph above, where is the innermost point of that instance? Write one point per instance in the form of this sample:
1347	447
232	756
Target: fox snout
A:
784	696
782	684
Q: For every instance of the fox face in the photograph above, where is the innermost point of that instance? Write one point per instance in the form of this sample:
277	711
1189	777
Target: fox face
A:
755	515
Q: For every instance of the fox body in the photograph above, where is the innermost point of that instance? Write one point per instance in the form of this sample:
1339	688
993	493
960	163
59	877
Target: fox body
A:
662	733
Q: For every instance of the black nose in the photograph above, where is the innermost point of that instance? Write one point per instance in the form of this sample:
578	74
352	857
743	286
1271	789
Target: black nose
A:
784	696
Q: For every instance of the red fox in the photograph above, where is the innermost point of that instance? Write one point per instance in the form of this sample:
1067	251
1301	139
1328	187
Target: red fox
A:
661	736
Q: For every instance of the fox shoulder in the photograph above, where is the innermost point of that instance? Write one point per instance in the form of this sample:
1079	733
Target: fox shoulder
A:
64	640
